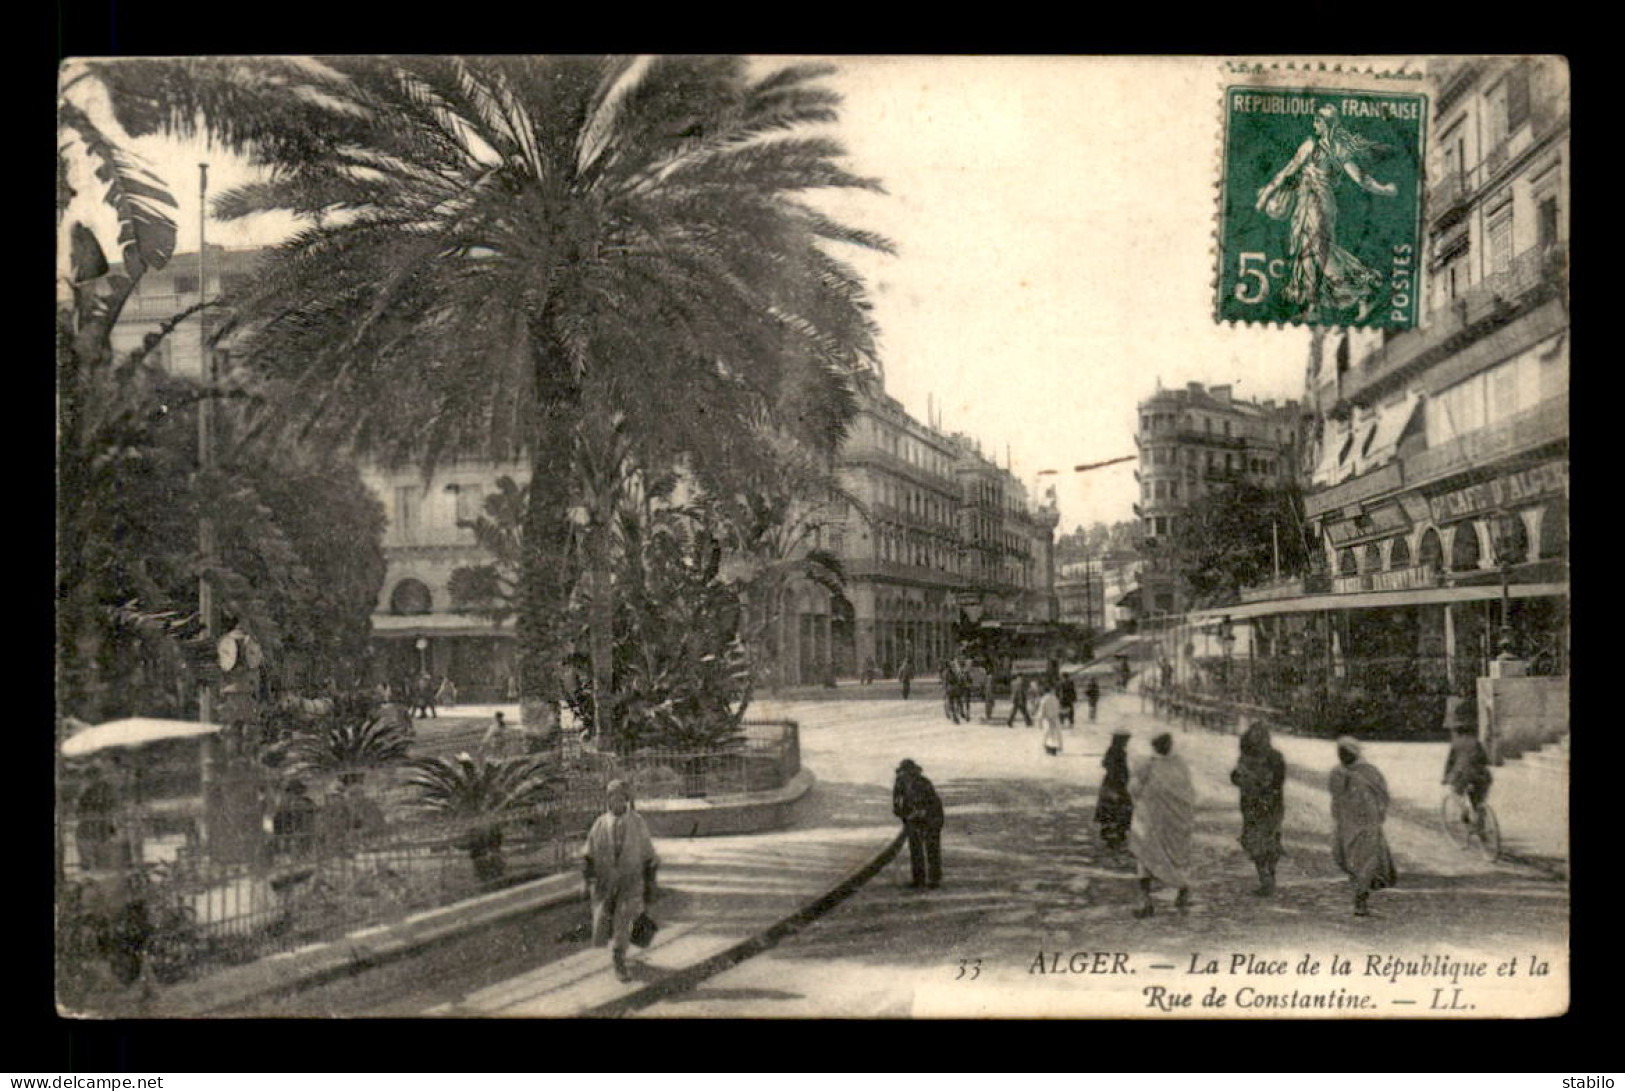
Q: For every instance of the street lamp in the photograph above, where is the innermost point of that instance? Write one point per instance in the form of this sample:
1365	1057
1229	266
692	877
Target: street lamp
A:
422	645
1507	527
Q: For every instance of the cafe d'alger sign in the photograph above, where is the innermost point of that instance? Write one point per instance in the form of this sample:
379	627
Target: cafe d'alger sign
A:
1501	492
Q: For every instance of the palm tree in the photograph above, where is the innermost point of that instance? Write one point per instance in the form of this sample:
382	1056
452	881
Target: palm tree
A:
482	792
505	248
349	743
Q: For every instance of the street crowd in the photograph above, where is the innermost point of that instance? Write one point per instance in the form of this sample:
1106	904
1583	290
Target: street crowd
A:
1147	814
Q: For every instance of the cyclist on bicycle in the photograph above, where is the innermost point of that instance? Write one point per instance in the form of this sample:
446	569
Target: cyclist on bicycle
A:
1467	768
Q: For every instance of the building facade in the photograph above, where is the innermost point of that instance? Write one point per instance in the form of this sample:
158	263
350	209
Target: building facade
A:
947	531
1192	442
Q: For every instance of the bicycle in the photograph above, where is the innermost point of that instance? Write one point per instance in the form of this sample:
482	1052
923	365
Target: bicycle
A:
1483	835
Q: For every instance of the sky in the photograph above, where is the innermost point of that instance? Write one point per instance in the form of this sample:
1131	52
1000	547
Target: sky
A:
1053	219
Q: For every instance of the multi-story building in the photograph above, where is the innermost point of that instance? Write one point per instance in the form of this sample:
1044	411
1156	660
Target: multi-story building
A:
1438	464
1191	442
947	530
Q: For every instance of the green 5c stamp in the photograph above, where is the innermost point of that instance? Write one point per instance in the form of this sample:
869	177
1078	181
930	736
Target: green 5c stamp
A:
1320	221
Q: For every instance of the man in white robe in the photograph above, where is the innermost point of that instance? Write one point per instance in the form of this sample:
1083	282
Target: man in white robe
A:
619	861
1164	820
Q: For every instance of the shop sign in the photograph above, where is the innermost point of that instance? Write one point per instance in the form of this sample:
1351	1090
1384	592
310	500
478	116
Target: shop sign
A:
1502	492
1378	522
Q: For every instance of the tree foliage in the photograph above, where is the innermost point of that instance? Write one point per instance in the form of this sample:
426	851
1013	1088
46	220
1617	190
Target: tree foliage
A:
1226	540
299	558
507	247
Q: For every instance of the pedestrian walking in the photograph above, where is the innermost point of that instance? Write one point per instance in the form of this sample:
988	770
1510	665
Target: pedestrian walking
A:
1260	773
1067	694
423	694
1124	672
988	697
446	694
499	739
1018	701
1164	820
1359	806
914	799
868	671
1049	719
618	863
1467	766
905	675
1114	807
1091	695
950	695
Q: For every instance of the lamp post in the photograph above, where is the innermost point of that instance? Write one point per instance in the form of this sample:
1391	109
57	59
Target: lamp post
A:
1506	541
422	645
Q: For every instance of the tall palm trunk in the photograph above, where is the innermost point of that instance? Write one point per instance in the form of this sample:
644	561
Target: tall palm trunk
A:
544	582
601	626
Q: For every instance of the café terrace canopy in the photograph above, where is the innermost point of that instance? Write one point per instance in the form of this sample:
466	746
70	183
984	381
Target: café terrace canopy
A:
1371	600
137	731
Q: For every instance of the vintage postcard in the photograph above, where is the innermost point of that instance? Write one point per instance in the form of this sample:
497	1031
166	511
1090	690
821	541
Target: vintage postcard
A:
809	537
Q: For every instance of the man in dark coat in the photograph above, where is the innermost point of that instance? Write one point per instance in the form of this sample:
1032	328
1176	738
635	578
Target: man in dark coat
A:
1114	807
1467	768
1260	774
914	799
1091	694
1067	694
1018	701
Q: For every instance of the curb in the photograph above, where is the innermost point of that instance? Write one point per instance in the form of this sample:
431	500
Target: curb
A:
690	976
365	949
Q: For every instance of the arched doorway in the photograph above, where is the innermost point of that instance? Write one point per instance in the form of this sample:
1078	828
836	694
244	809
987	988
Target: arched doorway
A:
1430	554
1511	538
1347	563
1373	557
1464	549
843	635
1399	554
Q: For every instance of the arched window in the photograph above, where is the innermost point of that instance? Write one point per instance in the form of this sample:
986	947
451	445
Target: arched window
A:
1464	551
1373	557
1347	564
1430	554
1399	555
411	597
1511	538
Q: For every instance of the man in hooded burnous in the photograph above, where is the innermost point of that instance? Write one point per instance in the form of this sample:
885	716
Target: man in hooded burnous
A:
619	863
1325	278
1359	805
1164	820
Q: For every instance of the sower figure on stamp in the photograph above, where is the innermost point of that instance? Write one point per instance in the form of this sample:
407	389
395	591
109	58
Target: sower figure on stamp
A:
619	863
1260	774
1325	278
914	799
1359	805
1164	819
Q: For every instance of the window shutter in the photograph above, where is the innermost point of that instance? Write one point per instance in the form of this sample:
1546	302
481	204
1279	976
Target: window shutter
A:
1517	98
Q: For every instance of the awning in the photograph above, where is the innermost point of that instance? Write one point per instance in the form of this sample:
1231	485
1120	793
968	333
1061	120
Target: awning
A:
1374	600
137	731
1391	424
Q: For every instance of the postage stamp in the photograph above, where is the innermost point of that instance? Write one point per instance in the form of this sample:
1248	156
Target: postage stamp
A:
1320	221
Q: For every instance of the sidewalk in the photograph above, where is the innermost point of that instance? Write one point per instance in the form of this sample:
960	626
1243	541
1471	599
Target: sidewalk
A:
721	899
1530	799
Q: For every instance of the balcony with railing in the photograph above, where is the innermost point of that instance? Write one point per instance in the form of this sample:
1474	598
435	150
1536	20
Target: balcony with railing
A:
1535	427
1532	276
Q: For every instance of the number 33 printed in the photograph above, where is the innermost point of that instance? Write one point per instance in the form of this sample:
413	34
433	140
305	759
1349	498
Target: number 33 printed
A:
969	968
